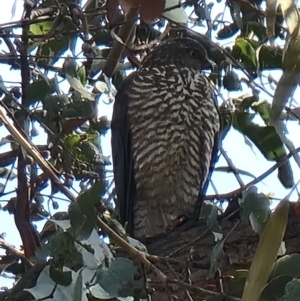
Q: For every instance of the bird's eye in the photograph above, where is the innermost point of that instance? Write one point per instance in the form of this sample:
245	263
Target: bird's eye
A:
193	54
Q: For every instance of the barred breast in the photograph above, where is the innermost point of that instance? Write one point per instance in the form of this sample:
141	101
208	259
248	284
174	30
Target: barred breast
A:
173	123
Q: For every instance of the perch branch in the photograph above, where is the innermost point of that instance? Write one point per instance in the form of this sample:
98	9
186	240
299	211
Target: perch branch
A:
11	249
130	250
118	47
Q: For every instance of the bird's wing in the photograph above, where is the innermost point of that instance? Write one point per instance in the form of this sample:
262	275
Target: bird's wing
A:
122	156
213	161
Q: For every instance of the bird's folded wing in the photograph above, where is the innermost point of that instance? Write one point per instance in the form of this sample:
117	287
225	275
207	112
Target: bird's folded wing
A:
122	156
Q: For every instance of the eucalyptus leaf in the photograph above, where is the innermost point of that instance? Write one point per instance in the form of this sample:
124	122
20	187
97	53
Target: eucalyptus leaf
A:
51	50
287	265
267	140
45	286
216	256
36	91
70	69
82	213
256	207
275	288
266	253
40	28
121	279
248	53
177	14
53	103
60	277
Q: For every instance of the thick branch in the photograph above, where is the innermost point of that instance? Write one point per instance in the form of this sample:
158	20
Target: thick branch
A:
119	45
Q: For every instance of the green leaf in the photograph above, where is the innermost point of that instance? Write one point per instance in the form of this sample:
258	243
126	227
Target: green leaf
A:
82	222
78	288
216	257
63	224
82	214
285	175
287	265
98	292
121	279
53	103
265	138
101	126
263	109
238	283
72	140
84	109
92	196
45	286
60	243
70	68
258	29
81	72
247	52
275	288
37	91
92	154
95	252
102	37
255	207
40	28
178	15
212	220
292	291
266	252
53	49
60	277
268	57
118	78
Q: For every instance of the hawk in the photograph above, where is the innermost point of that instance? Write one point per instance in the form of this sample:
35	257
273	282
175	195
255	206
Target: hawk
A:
165	132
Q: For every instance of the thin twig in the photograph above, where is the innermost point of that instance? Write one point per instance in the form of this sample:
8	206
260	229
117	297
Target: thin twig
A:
189	243
130	250
176	277
118	47
232	167
11	249
229	195
189	287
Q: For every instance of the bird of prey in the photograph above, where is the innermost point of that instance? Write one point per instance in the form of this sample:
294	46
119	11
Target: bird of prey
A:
165	133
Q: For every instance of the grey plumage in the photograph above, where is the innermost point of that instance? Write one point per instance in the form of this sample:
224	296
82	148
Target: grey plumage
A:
165	129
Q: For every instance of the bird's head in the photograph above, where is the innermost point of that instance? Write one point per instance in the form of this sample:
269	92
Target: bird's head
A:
178	51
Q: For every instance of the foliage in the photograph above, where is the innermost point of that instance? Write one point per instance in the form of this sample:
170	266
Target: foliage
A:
79	253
